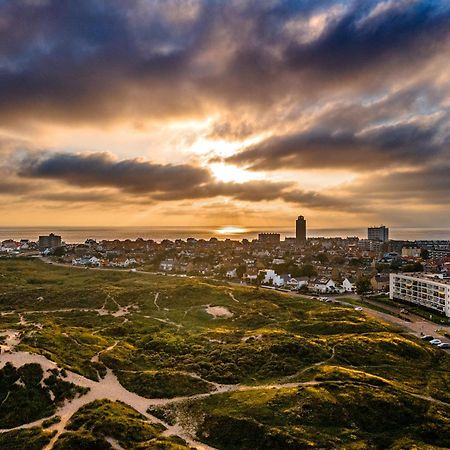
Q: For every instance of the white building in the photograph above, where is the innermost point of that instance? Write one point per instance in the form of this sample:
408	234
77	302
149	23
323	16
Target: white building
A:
429	291
298	283
348	286
271	277
323	285
167	265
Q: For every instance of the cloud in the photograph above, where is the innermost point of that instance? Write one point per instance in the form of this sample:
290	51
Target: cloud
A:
146	180
112	60
339	85
385	145
102	169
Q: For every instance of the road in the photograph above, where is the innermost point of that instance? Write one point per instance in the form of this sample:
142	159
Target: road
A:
418	326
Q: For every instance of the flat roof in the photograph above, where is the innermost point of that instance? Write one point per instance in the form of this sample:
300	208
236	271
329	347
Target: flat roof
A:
420	276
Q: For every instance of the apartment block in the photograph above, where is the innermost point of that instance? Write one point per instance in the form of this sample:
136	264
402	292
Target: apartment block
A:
428	291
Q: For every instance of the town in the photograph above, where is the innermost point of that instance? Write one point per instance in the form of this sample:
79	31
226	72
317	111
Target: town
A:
318	266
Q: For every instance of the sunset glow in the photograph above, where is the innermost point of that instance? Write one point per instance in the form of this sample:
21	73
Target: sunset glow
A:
162	109
230	230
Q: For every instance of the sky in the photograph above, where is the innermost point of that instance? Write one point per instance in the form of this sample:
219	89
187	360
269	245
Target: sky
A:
239	112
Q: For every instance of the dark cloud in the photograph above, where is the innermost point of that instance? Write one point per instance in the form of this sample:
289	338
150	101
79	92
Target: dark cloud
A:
428	185
368	149
147	181
102	169
96	61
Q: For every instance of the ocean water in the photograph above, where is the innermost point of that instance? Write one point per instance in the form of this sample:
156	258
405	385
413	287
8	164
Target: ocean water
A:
80	234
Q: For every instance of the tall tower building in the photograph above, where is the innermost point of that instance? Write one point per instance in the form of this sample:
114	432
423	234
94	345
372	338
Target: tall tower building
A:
380	234
300	230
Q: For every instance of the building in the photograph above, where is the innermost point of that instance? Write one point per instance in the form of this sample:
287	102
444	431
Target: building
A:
272	278
369	245
300	230
49	242
380	234
322	285
410	252
428	291
380	282
269	238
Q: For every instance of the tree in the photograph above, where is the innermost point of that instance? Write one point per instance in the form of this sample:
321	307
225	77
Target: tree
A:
322	258
241	270
413	267
424	253
363	285
307	270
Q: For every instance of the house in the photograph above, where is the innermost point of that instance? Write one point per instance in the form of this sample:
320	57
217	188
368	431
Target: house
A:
323	285
231	273
297	282
271	277
167	265
348	286
9	245
24	244
86	261
380	282
251	276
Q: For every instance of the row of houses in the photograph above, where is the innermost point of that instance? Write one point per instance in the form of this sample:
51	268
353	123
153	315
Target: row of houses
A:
93	261
322	285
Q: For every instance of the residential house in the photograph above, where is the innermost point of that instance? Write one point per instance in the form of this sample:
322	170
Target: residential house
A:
323	285
380	282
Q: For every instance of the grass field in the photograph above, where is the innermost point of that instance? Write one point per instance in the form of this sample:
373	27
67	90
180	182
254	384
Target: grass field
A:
319	375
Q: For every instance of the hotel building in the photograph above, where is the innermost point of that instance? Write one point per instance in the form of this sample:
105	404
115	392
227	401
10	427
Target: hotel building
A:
428	291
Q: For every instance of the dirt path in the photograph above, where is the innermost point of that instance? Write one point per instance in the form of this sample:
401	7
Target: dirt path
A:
107	388
156	301
110	388
231	294
95	357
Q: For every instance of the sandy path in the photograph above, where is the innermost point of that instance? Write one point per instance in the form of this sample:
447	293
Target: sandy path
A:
95	357
12	339
231	294
156	301
107	388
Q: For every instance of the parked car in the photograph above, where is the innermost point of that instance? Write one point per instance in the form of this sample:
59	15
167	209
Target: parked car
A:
427	337
358	308
444	345
435	342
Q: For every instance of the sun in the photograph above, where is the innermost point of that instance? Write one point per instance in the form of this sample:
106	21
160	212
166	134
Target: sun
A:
231	229
232	174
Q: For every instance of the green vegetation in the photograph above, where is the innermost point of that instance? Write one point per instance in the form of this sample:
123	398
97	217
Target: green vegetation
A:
26	394
355	382
163	384
329	415
95	422
31	439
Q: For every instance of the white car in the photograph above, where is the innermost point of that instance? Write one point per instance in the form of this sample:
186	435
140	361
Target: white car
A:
435	342
358	308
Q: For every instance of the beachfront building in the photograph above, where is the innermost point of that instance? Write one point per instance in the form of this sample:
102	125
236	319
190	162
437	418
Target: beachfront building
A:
429	291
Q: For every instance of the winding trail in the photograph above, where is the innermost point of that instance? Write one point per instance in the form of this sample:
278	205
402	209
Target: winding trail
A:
107	388
231	294
156	301
110	388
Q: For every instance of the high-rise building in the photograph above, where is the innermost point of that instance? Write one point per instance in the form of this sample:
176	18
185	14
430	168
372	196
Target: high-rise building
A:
50	241
380	234
300	229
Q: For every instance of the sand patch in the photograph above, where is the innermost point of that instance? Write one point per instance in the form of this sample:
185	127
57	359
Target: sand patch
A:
219	311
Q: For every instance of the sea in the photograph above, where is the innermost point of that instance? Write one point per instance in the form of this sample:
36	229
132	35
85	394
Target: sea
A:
80	234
